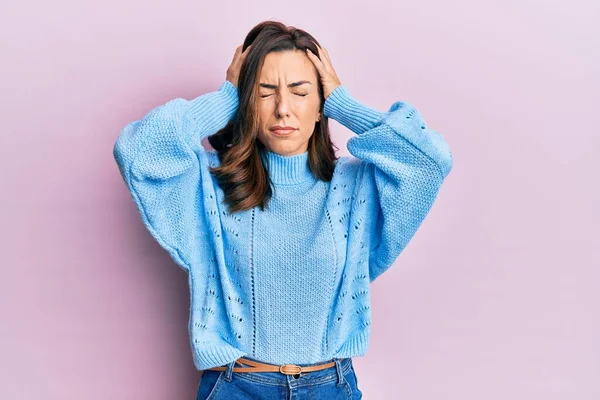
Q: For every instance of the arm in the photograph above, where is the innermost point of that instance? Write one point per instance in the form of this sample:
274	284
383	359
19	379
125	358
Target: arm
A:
162	144
405	162
160	159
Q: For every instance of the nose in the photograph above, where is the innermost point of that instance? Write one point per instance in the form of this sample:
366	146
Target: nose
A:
283	105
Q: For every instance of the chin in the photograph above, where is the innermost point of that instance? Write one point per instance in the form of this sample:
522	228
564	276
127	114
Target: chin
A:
277	145
285	146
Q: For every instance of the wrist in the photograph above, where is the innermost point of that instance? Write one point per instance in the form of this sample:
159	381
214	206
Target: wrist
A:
341	106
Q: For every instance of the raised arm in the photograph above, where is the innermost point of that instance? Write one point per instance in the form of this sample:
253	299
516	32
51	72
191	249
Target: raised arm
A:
163	143
404	160
161	159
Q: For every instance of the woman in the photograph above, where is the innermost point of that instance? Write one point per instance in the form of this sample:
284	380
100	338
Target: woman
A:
280	238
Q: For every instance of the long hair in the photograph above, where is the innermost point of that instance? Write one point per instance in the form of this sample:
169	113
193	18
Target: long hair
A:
242	174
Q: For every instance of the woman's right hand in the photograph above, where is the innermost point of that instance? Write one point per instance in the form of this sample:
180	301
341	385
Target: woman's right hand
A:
233	72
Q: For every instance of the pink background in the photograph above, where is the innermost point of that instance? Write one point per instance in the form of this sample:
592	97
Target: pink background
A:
496	297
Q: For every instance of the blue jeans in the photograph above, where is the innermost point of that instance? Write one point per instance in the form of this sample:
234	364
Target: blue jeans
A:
334	383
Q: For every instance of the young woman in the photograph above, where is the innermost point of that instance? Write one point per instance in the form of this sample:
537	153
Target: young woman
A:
280	237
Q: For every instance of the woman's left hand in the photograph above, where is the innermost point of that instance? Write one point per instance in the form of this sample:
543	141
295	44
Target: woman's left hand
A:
329	78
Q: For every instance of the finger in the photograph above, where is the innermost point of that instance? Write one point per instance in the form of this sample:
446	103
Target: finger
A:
327	60
319	51
318	64
237	52
327	55
322	51
245	53
324	57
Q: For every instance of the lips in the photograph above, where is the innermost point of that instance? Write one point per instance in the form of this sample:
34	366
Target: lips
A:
282	131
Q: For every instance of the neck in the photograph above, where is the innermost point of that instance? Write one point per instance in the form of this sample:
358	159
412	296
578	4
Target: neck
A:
287	169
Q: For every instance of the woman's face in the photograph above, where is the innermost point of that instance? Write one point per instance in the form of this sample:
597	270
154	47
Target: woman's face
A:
288	96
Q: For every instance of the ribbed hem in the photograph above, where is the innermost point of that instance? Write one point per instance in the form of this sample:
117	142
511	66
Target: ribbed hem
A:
357	117
286	170
212	111
355	346
215	356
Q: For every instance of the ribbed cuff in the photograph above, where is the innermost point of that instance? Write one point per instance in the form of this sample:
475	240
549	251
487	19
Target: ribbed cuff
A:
213	110
357	117
228	88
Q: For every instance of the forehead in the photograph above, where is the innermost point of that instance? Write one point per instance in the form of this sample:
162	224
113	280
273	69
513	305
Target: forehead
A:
287	66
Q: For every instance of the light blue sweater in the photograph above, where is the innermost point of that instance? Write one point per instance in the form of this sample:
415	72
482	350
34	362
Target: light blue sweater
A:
289	284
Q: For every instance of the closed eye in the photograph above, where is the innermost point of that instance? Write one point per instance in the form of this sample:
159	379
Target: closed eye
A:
297	94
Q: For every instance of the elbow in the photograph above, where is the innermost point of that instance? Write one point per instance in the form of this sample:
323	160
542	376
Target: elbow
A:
442	153
125	147
119	150
446	163
406	120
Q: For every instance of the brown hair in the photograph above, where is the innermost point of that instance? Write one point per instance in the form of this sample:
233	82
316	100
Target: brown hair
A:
241	174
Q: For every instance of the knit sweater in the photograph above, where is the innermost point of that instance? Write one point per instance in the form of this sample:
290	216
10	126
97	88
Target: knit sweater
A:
289	284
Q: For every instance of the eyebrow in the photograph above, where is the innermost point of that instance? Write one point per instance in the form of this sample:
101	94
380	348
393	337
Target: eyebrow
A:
293	84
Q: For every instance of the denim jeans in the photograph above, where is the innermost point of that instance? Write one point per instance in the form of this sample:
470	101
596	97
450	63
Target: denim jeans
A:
334	383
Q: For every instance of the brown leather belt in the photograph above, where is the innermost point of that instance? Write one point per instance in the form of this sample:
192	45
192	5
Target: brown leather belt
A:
286	369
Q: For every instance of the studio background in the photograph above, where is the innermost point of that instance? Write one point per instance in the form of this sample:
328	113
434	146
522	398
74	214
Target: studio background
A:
496	297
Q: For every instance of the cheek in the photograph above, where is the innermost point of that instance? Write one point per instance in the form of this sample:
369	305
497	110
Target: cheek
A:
265	114
307	113
303	104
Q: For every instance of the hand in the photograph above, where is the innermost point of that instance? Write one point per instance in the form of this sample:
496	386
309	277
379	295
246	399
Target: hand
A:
233	71
329	78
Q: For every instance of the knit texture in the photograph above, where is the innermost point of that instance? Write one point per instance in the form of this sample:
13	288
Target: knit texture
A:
289	284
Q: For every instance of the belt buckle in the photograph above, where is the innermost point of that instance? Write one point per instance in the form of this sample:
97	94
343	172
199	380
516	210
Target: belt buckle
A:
296	372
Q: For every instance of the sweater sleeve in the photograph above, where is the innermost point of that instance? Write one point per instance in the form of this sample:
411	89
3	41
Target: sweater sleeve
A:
405	162
160	158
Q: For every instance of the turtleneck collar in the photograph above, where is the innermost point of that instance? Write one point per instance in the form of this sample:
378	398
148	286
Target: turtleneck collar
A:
287	169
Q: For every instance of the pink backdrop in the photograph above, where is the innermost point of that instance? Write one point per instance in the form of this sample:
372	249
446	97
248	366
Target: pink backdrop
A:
496	297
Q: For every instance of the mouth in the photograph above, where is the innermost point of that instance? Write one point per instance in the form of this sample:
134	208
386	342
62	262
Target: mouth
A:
282	132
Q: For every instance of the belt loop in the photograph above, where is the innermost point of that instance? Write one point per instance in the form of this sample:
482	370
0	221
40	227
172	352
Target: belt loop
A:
229	371
338	367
